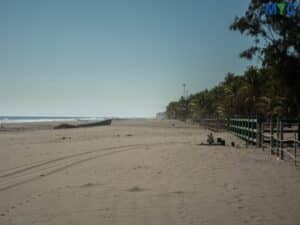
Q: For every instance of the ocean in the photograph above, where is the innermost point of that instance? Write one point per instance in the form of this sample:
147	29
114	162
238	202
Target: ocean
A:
32	119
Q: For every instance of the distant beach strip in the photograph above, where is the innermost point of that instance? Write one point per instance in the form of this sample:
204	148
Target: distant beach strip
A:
33	119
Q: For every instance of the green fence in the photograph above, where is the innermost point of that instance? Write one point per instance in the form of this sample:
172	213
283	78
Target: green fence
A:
246	128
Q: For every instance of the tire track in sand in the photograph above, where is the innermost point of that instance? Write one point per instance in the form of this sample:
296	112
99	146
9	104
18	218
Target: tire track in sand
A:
33	171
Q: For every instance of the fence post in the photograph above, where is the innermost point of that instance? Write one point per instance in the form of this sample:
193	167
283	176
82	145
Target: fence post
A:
228	124
262	135
277	135
281	140
271	134
258	133
298	130
295	149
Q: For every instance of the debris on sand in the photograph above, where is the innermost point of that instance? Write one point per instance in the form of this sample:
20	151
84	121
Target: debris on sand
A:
135	189
65	138
178	192
138	167
220	141
87	185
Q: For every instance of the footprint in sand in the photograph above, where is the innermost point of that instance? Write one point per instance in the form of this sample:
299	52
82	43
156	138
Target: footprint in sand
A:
181	208
225	185
235	188
255	220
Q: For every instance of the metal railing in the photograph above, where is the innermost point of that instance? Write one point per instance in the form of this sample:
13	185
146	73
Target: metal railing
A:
275	138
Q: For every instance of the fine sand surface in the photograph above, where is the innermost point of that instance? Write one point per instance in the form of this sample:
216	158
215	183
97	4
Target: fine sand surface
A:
140	172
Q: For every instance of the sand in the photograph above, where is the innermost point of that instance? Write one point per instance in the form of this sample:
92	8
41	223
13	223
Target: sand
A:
140	172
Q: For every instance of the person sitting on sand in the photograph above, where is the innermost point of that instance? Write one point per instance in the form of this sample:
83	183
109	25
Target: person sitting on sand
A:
210	139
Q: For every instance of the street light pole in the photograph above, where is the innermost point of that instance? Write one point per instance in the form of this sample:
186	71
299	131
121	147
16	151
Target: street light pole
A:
184	86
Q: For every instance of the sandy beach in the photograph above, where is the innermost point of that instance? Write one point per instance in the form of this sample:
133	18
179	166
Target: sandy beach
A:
140	172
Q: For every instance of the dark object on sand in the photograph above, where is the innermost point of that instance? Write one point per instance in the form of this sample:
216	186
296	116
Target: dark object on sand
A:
65	126
221	141
68	126
135	189
65	138
232	144
210	139
101	123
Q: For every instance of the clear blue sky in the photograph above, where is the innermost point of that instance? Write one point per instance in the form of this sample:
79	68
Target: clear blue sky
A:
113	57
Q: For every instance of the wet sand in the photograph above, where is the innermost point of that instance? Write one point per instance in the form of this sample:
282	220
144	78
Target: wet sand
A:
140	172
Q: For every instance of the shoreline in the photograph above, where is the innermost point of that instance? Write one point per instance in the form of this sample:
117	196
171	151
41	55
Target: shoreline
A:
40	125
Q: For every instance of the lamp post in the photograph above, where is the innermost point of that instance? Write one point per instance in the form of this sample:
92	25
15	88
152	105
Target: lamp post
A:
184	86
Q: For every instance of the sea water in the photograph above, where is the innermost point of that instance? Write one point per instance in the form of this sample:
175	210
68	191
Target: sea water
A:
32	119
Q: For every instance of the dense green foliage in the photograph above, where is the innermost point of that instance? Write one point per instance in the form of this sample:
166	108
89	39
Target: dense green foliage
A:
273	89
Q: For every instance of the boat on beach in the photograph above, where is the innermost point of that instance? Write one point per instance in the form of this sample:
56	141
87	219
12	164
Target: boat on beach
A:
93	124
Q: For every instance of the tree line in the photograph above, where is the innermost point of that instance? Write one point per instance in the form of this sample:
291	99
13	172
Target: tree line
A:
271	90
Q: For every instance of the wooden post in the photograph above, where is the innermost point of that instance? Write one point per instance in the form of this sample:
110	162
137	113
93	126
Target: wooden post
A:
295	150
258	133
271	134
236	129
250	127
262	135
277	136
245	131
281	140
298	130
228	124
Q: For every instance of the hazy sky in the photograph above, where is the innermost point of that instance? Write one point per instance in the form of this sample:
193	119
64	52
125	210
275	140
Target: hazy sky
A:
114	57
